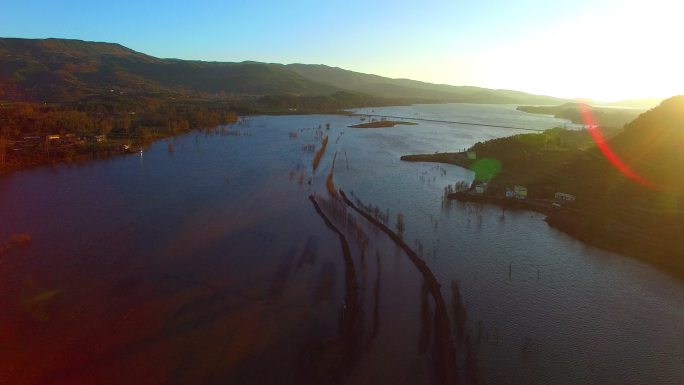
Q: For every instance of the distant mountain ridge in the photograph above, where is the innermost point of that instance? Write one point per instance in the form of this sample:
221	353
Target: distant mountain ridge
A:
60	69
604	116
387	87
57	70
645	103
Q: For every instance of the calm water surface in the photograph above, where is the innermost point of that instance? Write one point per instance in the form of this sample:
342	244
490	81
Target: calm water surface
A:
207	263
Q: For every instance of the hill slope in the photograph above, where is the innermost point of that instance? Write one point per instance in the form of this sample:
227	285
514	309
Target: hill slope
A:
386	87
59	69
653	144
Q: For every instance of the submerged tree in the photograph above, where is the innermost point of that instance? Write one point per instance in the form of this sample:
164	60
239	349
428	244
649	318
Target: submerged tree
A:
400	223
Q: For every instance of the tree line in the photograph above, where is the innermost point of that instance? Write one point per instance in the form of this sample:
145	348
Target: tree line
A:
22	119
131	121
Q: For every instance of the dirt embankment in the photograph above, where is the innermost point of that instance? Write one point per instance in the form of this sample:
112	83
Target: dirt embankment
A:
319	153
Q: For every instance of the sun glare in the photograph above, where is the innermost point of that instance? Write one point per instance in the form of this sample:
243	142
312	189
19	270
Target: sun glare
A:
621	51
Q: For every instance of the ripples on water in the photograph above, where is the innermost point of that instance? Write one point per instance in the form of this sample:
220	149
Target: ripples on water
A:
208	264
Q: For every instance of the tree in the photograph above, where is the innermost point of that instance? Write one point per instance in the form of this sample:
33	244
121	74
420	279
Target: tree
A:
105	126
125	122
400	223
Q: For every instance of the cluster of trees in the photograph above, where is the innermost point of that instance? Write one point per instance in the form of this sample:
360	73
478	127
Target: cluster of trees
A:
321	103
138	121
22	119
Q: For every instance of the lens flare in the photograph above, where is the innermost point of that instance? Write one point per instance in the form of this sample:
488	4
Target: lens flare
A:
602	144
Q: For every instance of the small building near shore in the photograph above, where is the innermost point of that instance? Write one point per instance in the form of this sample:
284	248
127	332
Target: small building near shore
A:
481	188
520	192
564	197
472	155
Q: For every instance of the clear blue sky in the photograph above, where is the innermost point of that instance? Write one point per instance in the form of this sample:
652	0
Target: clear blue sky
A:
579	48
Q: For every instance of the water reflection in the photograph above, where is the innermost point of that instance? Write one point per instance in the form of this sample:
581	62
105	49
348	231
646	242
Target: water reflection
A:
210	264
325	361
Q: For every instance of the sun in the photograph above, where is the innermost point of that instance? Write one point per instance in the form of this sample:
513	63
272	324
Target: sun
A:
628	50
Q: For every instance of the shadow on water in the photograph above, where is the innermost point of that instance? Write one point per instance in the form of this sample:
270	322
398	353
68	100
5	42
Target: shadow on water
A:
426	317
376	297
443	350
281	276
325	289
309	254
465	341
325	361
328	361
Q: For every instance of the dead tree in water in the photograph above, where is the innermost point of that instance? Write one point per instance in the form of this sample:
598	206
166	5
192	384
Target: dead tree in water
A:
400	223
326	362
443	353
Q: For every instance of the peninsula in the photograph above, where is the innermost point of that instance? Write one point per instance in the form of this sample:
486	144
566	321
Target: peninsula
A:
599	185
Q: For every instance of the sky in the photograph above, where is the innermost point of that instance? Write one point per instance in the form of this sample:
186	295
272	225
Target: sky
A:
602	49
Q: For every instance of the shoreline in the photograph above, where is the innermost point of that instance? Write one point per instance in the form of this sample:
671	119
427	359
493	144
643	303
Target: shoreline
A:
89	154
85	154
568	220
75	159
535	205
444	355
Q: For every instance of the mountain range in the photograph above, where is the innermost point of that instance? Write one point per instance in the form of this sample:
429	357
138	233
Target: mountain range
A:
57	70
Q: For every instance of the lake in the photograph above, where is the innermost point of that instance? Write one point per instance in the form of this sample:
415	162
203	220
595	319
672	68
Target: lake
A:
204	261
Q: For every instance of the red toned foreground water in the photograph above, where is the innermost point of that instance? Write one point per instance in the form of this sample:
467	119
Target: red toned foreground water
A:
205	262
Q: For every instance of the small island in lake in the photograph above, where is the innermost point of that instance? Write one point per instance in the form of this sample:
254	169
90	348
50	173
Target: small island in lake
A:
383	124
